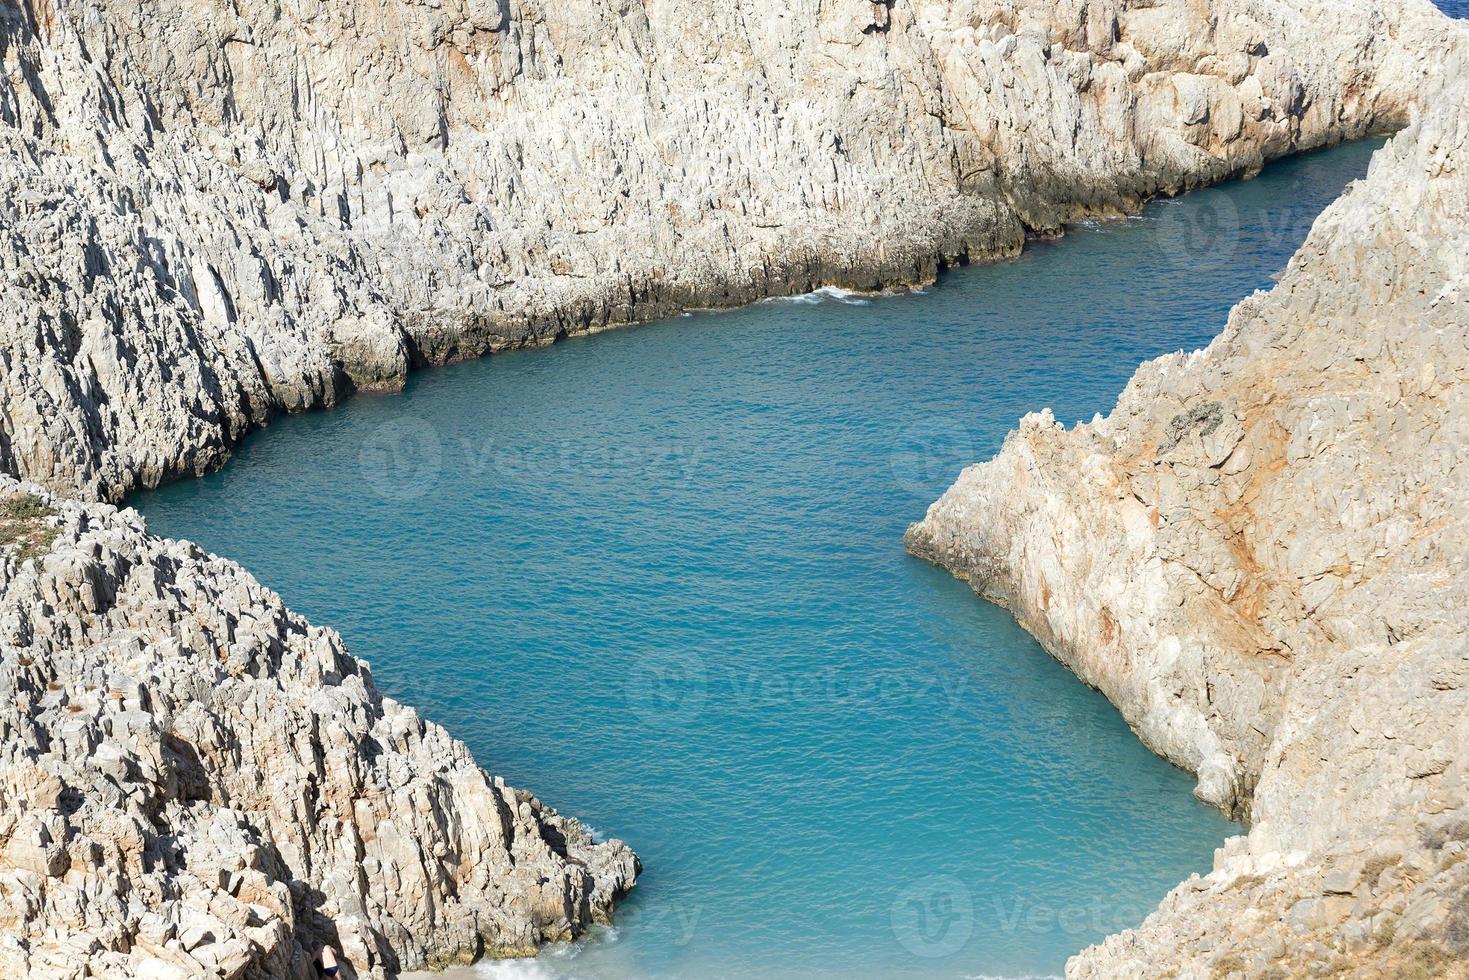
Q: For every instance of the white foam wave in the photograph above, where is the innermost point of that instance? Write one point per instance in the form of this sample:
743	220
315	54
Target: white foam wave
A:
556	961
515	970
825	294
843	296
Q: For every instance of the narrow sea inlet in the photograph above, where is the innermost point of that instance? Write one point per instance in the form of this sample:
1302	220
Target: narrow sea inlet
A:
657	577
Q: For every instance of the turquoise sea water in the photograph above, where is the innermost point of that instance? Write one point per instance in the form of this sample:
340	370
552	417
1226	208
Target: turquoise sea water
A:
657	576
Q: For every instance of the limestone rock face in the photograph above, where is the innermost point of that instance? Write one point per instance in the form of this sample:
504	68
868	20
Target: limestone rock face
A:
1259	557
198	782
212	212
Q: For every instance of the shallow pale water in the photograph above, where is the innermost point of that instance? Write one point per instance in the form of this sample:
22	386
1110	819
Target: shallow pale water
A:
657	576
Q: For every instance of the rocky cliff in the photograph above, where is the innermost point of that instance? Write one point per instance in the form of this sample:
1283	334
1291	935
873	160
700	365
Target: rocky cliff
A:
213	212
198	782
1259	557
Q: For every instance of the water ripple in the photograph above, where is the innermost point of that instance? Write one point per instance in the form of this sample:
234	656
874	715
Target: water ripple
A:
657	576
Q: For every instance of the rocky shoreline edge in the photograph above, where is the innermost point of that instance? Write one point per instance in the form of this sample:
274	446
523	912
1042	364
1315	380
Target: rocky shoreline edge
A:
200	782
1258	557
188	253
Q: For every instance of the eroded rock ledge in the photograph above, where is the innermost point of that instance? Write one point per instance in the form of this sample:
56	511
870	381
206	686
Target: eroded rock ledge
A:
1259	557
198	782
212	212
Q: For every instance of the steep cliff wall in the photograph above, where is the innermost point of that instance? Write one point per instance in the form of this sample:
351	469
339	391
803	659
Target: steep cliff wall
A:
1259	557
212	212
198	782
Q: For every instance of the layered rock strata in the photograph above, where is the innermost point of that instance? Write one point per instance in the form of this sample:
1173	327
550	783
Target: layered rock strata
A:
213	212
198	782
1260	558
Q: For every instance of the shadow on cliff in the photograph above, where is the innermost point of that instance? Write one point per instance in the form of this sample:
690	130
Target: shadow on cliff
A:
23	25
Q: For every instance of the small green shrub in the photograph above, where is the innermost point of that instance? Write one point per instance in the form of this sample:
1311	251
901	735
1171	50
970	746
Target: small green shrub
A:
23	526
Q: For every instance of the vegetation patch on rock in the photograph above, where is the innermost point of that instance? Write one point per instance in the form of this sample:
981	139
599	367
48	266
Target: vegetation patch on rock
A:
26	530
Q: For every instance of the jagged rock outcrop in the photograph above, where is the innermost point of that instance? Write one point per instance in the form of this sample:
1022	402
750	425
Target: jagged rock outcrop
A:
198	782
1260	558
213	212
